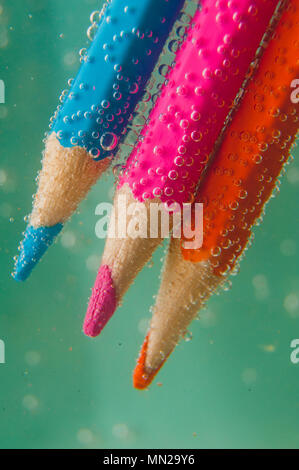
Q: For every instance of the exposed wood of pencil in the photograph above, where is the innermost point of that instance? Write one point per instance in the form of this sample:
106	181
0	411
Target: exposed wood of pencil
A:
127	256
66	176
184	289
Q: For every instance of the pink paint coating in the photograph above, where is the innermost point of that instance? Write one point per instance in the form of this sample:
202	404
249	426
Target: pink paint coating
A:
102	303
191	110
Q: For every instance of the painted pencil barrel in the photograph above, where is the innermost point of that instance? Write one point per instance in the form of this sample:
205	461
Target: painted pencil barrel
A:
113	75
190	112
244	172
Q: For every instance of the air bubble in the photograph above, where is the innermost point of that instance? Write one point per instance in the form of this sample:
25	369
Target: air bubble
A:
133	88
94	153
196	136
105	104
173	46
195	116
108	141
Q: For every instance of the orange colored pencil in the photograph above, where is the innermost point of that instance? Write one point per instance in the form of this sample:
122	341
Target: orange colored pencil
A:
234	191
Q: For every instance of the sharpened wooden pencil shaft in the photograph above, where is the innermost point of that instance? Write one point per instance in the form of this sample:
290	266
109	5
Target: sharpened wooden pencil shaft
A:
184	289
66	177
126	256
129	246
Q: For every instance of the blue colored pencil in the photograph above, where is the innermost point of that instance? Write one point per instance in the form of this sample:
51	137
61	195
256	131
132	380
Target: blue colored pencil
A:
89	126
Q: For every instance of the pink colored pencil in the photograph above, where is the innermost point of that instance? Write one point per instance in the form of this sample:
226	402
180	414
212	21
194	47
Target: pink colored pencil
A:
181	134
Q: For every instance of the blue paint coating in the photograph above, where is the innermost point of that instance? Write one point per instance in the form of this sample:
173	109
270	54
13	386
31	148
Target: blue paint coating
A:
114	73
35	243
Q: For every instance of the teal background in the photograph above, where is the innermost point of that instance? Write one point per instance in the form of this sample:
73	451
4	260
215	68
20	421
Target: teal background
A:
233	385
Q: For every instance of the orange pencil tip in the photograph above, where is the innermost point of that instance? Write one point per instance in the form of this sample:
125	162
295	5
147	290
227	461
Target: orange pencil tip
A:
142	378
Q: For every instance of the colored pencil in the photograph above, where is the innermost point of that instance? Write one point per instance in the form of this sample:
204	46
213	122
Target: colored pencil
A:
236	187
181	134
89	126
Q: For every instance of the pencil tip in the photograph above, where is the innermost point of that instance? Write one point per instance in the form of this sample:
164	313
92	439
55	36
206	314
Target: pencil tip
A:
142	376
35	243
102	303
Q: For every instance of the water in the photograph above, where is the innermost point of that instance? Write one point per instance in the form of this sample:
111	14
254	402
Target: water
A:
233	385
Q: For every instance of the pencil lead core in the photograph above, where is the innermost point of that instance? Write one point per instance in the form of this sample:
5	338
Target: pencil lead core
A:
142	376
102	303
35	243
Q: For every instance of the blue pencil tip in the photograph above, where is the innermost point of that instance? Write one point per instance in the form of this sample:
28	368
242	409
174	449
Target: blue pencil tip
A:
34	245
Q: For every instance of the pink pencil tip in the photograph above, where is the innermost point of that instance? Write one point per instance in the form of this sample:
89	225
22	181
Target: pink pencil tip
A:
102	303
